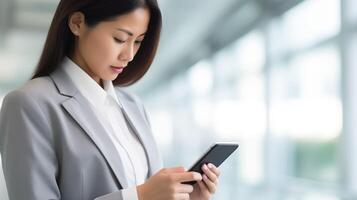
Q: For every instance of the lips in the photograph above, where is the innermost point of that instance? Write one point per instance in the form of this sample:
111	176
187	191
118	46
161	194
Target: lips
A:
117	70
118	67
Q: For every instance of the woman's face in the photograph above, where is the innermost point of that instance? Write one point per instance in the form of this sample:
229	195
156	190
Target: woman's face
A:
103	50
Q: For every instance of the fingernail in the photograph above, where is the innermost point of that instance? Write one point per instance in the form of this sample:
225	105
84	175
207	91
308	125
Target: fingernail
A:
210	165
205	166
197	176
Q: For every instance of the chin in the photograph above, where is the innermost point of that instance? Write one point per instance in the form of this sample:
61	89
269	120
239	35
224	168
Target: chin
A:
111	78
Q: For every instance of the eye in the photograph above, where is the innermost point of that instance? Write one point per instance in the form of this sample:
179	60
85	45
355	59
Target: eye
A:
119	41
138	42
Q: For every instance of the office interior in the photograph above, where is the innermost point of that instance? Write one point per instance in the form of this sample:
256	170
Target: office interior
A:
277	76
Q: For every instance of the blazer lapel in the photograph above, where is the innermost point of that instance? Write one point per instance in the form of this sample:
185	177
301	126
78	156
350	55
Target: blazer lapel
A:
79	108
138	124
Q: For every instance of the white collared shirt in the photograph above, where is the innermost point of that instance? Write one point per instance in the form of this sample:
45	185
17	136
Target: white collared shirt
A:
107	108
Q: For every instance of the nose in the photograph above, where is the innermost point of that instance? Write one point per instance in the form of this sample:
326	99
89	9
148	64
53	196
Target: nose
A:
127	53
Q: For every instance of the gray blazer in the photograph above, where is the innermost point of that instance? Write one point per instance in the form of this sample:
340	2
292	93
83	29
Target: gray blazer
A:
53	146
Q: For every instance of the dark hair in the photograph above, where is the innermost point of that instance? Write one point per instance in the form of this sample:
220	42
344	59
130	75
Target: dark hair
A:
60	40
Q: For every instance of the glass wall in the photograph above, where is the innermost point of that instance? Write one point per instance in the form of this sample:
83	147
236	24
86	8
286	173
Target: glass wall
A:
276	91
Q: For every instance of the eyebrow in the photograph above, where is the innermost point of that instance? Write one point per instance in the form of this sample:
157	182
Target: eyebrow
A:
128	32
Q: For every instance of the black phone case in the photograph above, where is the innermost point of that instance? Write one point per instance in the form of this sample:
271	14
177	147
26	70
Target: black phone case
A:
216	155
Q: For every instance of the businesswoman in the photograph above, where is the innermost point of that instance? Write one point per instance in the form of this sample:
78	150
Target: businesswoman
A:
72	132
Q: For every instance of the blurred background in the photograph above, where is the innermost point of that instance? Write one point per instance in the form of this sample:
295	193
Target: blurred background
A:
277	76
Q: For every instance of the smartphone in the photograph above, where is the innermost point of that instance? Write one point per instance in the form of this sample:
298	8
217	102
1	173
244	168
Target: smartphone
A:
216	155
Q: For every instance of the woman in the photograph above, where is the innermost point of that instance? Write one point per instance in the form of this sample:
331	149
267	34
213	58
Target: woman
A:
70	134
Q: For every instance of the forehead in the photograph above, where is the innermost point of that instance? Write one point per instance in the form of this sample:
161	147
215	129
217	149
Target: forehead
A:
136	21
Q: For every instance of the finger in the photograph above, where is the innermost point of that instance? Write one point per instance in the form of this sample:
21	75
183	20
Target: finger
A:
210	185
203	188
212	176
182	196
215	169
186	176
174	170
184	188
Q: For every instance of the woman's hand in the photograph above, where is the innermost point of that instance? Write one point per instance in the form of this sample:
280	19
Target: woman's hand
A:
166	185
204	188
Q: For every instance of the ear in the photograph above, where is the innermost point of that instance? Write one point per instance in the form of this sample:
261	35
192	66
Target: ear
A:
76	23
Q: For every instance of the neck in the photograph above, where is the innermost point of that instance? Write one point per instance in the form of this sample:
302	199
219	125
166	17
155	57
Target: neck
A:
76	58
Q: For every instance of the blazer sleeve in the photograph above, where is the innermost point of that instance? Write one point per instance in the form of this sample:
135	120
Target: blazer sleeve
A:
26	146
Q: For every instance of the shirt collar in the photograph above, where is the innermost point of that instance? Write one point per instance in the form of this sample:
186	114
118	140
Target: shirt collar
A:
87	86
108	86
